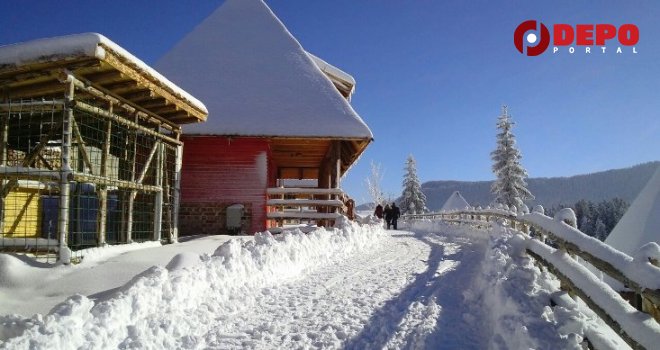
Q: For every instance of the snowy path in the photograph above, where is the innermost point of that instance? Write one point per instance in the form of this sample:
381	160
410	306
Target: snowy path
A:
391	297
358	287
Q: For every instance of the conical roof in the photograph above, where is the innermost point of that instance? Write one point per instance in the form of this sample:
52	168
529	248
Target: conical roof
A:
455	202
256	79
641	223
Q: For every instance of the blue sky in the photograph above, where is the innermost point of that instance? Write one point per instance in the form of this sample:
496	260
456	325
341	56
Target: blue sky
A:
432	75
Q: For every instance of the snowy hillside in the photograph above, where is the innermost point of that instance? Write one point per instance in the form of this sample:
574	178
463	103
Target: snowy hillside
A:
355	287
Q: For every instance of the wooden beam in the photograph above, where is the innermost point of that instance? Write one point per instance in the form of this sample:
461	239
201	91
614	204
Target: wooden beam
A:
123	87
37	90
140	95
147	163
121	120
80	144
155	103
165	109
105	77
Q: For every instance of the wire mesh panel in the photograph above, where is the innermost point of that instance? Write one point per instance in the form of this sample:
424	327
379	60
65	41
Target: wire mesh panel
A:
82	173
29	161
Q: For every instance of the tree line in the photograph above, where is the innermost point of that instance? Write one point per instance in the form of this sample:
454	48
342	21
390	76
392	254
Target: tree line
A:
596	219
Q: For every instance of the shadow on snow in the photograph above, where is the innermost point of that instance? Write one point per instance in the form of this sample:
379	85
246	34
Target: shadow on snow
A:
459	324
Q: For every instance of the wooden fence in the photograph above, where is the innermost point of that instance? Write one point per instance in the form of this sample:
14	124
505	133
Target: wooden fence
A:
321	205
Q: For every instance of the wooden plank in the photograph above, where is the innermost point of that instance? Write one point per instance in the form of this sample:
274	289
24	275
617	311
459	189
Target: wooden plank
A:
139	95
305	202
47	88
302	190
299	215
105	77
169	108
122	87
155	103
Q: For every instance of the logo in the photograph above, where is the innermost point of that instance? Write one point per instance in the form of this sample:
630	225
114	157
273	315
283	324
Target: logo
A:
566	37
523	28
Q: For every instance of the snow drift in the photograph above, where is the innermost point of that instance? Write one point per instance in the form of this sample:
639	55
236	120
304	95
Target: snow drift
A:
169	307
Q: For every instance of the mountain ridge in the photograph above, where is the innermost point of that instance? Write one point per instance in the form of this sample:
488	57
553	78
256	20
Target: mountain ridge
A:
624	183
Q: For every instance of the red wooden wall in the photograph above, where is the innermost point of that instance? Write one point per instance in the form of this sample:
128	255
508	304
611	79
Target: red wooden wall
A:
218	172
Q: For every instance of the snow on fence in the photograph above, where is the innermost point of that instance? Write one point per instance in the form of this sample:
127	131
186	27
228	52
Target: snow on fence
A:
555	242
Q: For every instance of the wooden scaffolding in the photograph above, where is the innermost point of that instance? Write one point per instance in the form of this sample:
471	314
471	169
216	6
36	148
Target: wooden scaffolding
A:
90	152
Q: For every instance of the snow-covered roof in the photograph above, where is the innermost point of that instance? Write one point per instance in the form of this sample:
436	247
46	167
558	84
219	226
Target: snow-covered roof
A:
79	46
455	202
641	223
256	79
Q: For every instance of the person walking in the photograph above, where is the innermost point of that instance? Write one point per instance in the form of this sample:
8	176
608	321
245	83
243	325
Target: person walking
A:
379	211
388	215
395	213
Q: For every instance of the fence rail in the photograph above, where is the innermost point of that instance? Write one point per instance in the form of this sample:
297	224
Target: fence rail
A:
546	237
320	205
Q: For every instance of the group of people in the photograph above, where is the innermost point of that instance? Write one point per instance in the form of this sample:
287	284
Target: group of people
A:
391	214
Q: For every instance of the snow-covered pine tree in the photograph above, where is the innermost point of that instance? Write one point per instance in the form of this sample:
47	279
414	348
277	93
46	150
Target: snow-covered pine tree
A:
510	187
413	200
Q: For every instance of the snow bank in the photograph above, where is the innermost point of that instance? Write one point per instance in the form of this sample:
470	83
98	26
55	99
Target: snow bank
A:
96	254
170	307
517	294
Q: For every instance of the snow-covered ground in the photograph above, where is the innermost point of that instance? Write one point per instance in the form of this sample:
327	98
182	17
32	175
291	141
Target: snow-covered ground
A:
28	287
353	287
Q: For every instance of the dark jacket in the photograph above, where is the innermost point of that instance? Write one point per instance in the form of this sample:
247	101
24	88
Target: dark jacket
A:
395	212
379	211
388	213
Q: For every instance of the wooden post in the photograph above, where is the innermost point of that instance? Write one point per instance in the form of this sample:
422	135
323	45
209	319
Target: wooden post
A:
337	173
65	173
133	193
324	182
176	194
158	201
102	214
4	137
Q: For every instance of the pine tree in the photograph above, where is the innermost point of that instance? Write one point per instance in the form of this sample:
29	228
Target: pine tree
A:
600	230
510	187
413	200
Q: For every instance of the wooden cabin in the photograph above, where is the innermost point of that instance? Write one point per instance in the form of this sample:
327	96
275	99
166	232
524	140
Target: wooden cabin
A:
91	148
276	112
